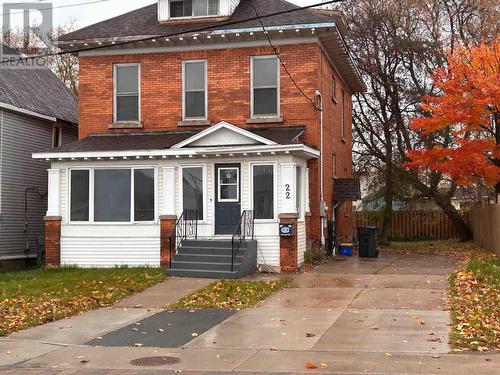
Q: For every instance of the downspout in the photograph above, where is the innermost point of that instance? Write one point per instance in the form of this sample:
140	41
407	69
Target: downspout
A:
321	169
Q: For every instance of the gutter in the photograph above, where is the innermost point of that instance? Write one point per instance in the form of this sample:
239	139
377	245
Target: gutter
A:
26	112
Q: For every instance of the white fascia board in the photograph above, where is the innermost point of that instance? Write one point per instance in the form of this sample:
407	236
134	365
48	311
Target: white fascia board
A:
324	25
223	125
116	51
26	112
185	152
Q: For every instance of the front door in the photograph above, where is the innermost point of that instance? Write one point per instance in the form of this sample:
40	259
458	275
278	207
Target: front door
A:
227	198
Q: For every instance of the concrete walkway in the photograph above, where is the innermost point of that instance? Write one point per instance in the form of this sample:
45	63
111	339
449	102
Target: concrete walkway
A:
355	317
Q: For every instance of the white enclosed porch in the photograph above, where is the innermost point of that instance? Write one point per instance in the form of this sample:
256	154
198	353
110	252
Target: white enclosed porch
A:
110	201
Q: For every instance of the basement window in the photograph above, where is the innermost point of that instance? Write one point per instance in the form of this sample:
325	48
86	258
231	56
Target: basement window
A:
193	8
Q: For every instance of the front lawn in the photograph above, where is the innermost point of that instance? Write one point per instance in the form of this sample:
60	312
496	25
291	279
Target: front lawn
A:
231	294
474	294
31	298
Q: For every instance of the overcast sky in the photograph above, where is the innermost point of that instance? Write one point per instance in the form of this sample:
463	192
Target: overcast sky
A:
87	14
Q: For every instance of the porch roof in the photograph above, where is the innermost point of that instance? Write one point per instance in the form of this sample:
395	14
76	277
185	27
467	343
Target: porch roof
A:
161	144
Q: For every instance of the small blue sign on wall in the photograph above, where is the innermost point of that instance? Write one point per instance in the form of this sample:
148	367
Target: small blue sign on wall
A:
287	230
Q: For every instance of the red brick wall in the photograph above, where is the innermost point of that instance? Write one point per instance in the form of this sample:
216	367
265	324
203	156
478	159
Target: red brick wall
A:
334	144
229	100
52	242
289	246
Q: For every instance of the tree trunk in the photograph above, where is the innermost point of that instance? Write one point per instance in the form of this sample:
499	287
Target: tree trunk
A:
464	231
385	235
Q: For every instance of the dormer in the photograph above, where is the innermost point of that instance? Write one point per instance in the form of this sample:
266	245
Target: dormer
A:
171	10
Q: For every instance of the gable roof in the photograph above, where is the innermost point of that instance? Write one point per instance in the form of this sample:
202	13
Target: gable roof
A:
144	22
39	91
224	134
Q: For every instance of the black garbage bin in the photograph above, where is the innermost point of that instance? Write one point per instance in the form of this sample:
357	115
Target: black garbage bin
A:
368	247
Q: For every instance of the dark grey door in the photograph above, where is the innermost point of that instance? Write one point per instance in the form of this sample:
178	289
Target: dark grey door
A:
227	198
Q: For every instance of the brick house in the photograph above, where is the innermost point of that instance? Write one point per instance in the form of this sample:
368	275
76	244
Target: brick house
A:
196	142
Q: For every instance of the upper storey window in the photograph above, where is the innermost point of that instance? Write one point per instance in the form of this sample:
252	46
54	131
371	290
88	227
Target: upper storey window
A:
127	96
265	86
193	8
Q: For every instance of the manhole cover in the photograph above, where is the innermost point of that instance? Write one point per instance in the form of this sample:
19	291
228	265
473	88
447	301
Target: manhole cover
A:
155	361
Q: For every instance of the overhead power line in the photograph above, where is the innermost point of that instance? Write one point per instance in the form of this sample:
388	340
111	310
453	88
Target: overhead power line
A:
57	7
276	52
194	30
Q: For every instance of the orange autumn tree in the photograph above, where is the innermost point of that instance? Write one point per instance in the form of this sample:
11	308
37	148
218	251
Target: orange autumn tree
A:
460	132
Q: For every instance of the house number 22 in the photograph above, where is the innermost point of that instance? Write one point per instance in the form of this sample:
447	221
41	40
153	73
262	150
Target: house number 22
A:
288	191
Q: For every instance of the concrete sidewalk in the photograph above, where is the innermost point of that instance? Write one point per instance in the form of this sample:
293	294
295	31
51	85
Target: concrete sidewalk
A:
356	317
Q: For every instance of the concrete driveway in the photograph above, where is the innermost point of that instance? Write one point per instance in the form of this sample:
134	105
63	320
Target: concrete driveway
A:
356	317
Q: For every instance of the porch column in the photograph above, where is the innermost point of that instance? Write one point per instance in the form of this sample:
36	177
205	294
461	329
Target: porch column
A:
289	216
168	207
52	221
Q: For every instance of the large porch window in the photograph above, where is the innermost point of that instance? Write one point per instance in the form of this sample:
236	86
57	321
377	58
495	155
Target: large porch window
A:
120	195
263	191
193	191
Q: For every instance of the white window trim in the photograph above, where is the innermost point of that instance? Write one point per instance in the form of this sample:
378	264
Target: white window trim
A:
205	192
184	117
238	185
275	190
91	196
115	87
302	208
278	67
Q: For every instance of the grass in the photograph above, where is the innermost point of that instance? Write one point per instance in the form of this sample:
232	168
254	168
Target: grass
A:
34	297
452	248
474	298
231	294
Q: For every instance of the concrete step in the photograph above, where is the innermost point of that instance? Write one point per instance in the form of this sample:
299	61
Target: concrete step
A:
205	266
203	274
227	251
210	258
207	243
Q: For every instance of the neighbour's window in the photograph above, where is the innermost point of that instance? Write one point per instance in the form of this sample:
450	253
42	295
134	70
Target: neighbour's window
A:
190	8
263	191
265	86
342	114
334	89
80	182
195	87
299	194
192	192
56	136
119	195
334	165
127	99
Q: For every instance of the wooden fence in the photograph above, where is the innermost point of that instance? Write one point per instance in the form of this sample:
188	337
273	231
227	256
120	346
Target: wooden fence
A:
412	225
486	226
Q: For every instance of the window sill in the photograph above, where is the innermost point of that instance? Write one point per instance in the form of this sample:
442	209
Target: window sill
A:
125	125
265	120
343	140
335	100
194	123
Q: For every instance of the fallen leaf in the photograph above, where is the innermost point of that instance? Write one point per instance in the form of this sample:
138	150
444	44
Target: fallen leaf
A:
310	335
374	327
138	344
311	366
388	354
274	349
161	330
194	334
99	338
323	365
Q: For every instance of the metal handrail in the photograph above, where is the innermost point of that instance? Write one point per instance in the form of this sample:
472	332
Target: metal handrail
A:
245	230
185	227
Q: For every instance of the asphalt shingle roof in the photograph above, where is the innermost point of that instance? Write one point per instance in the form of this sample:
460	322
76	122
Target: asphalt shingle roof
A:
144	21
163	140
37	90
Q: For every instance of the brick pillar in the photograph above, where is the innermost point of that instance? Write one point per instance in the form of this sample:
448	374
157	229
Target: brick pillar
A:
52	241
167	227
289	245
